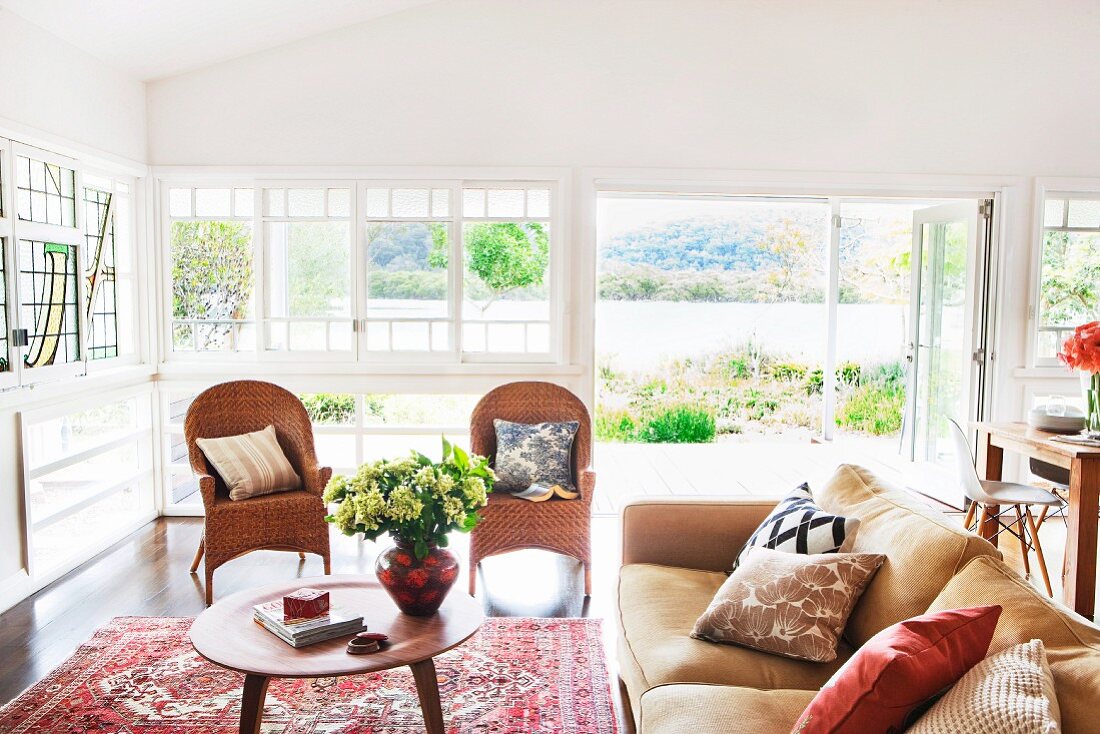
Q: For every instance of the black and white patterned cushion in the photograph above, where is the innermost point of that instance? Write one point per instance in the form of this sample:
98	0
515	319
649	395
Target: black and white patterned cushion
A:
798	525
530	453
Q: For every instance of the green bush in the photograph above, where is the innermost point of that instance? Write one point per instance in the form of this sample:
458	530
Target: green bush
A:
679	424
329	409
614	425
873	408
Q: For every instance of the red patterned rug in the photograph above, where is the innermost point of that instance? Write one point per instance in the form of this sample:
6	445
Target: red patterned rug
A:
139	675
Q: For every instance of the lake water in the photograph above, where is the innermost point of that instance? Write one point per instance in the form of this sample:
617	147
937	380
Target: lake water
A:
637	334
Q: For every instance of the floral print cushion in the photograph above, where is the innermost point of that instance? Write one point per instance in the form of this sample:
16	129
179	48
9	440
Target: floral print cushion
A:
788	604
534	453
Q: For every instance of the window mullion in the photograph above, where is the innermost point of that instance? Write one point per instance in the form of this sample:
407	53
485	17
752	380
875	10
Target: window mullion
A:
456	271
259	270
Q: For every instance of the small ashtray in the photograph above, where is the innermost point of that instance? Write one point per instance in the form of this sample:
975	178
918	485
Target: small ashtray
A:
366	643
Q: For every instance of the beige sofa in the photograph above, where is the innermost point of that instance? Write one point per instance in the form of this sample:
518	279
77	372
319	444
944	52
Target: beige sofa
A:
676	553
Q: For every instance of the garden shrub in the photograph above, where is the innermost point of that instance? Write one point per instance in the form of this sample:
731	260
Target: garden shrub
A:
873	408
679	424
614	425
329	409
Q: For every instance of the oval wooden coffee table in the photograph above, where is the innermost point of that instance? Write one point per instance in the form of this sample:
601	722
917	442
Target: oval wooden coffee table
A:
225	635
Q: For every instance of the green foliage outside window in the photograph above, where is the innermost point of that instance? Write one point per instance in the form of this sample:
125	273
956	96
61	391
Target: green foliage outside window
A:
211	270
1069	291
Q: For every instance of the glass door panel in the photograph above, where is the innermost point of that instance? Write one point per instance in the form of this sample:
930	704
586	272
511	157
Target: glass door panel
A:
941	345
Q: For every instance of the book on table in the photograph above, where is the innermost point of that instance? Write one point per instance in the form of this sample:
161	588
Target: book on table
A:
301	632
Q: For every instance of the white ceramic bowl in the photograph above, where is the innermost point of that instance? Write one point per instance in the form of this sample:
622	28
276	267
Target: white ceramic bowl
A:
1072	422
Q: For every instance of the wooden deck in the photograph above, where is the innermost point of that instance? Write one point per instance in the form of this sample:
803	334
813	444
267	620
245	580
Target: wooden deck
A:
766	469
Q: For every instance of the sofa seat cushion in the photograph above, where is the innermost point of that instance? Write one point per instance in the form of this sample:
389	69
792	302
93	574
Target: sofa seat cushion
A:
658	606
1072	643
923	548
700	709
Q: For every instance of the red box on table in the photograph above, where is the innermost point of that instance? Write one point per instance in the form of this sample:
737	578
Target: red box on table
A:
305	604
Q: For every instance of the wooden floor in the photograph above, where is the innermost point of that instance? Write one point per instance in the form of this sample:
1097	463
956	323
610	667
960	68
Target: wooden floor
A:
146	575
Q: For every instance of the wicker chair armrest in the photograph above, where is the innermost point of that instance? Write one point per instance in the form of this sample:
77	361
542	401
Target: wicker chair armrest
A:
207	488
316	478
586	480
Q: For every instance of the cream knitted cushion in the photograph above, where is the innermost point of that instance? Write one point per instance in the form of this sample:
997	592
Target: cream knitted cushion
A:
251	464
1011	692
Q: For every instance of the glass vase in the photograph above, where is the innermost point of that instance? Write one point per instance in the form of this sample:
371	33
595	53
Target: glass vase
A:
1090	386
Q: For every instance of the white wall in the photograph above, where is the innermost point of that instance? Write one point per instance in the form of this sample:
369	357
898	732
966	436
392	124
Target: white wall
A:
48	86
983	86
56	96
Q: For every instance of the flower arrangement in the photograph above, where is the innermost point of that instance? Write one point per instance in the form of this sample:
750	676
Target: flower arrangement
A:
1082	352
416	500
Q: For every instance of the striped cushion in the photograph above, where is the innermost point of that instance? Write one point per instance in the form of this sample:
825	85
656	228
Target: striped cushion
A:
251	464
798	525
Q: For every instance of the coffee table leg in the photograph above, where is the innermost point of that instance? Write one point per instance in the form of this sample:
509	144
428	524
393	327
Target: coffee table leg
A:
427	688
252	703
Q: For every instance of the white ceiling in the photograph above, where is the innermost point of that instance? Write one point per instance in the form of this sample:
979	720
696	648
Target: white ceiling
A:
150	39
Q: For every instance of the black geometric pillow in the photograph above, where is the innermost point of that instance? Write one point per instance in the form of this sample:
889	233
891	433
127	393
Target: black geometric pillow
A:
538	453
798	525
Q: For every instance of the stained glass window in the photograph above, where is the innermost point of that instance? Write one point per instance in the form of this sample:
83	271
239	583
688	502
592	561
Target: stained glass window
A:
46	192
48	290
99	269
5	364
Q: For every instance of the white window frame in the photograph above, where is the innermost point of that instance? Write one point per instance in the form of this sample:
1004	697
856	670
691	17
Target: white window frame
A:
555	270
264	317
10	378
39	232
454	272
123	187
1054	188
166	220
359	181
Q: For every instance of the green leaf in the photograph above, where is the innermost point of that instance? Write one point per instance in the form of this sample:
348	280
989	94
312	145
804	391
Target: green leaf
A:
442	540
446	448
420	549
462	459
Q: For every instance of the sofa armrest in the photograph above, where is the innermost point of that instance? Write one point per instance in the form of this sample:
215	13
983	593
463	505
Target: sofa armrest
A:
704	533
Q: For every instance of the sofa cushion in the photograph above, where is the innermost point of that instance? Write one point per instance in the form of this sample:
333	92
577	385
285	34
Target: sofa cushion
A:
658	606
700	709
788	604
1072	643
798	525
923	548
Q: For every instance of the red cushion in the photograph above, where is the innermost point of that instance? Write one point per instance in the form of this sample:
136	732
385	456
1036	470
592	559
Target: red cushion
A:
899	669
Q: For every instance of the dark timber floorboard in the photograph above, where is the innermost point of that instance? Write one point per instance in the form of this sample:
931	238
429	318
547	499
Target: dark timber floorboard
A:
146	574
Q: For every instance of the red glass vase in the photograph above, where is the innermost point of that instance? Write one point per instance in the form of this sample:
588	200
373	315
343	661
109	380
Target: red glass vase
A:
417	586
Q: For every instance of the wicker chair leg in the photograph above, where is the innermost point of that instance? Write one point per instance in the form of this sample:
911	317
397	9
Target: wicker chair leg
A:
209	585
588	578
328	564
473	577
198	554
301	556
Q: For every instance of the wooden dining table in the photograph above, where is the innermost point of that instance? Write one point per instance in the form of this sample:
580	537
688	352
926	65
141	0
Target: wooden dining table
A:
1083	462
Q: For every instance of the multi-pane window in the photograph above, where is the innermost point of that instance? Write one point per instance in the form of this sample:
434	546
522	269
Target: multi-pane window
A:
426	270
211	257
408	246
48	291
1069	270
46	192
5	353
100	270
308	262
506	270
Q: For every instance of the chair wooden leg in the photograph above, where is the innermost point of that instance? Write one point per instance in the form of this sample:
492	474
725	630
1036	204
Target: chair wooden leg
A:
981	519
301	556
209	585
1042	516
588	579
1038	550
328	564
969	519
473	578
198	554
1022	535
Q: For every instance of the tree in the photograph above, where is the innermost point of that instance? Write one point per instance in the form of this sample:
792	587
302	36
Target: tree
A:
797	258
211	271
1069	291
504	256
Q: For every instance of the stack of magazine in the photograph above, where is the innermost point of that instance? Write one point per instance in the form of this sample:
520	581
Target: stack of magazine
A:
301	632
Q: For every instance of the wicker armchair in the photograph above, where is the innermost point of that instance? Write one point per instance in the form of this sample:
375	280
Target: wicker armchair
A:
508	523
290	521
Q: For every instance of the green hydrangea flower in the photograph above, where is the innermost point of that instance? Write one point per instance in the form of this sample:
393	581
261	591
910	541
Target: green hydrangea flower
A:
454	509
473	489
403	505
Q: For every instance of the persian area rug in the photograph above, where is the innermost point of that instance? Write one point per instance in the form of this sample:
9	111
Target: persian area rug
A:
140	675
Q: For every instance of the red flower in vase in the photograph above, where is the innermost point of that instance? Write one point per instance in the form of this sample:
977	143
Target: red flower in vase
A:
1081	351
